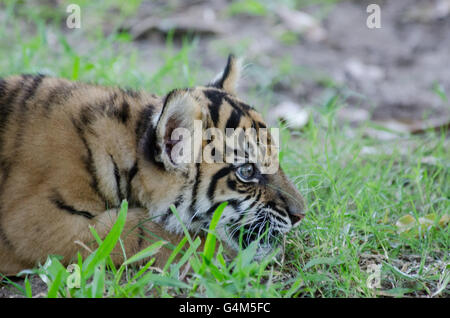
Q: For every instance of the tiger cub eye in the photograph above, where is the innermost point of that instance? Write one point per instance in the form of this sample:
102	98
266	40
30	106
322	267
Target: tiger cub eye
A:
246	172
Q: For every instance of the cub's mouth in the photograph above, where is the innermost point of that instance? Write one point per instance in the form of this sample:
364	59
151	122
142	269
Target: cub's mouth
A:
263	234
268	236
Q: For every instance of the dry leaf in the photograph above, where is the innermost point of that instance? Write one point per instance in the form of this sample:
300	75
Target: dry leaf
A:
445	219
408	223
405	223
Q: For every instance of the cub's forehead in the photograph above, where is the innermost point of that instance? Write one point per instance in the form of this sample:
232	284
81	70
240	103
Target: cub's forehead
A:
226	110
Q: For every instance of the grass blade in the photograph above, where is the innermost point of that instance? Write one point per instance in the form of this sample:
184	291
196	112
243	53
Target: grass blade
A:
147	252
109	242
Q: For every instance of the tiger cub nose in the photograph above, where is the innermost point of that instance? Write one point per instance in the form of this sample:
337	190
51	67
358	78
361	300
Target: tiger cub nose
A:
296	216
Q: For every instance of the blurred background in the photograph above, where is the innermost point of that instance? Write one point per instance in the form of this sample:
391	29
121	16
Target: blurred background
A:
300	54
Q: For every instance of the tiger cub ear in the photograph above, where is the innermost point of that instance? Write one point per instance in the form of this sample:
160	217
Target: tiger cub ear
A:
174	131
229	78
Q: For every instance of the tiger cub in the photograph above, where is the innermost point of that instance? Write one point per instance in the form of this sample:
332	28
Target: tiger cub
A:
71	152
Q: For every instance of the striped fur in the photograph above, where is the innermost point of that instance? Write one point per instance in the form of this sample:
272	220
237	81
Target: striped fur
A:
71	152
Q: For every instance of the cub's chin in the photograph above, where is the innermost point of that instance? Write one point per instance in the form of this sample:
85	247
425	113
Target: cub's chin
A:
264	247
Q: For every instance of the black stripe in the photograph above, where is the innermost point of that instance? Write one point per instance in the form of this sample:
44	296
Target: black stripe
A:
6	105
235	203
120	113
130	175
166	216
212	209
2	88
25	87
5	240
6	167
87	116
143	121
141	236
216	98
7	108
144	128
215	178
272	205
179	200
279	219
31	90
3	236
238	105
151	148
57	200
119	194
130	92
232	184
89	164
198	175
258	196
214	110
234	120
124	112
59	94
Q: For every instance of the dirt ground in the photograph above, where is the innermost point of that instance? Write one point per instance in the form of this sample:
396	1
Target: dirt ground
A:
389	73
38	287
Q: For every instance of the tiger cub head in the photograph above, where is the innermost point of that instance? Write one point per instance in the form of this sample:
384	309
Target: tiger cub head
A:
210	147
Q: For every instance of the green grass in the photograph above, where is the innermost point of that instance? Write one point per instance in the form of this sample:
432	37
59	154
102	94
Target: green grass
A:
356	187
